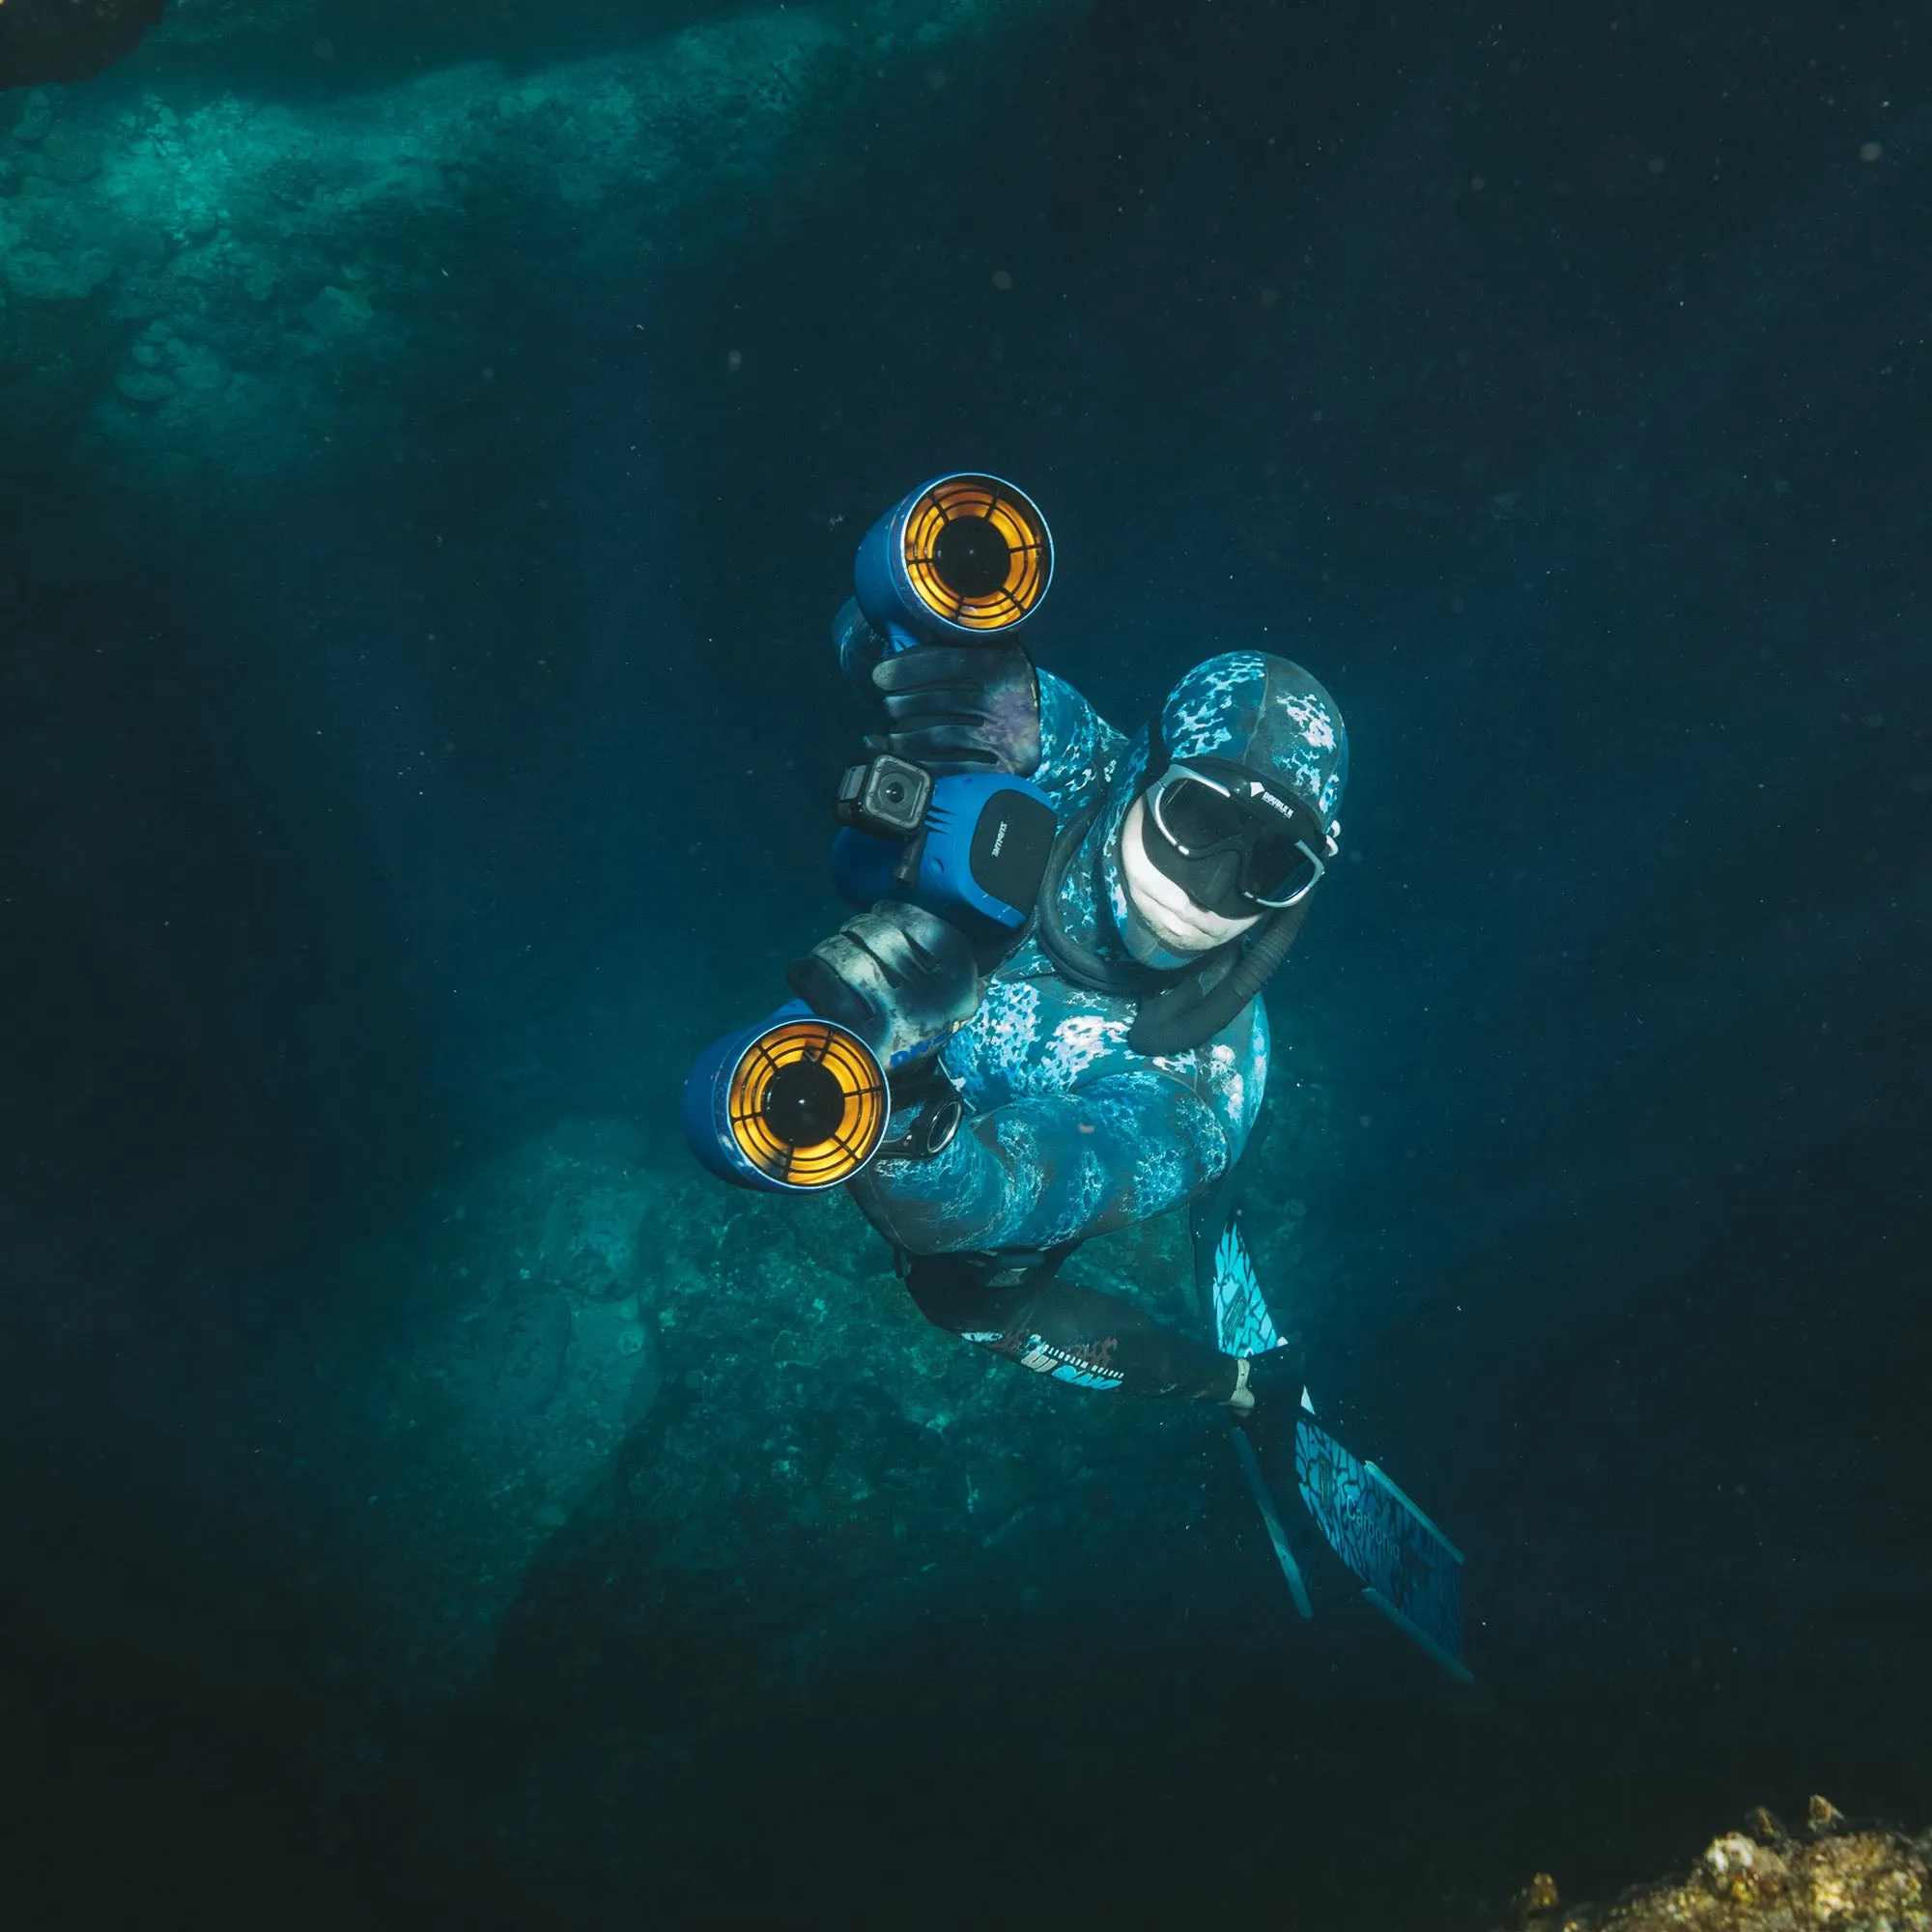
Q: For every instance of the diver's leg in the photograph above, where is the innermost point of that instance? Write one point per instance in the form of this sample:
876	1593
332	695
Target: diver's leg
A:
1014	1305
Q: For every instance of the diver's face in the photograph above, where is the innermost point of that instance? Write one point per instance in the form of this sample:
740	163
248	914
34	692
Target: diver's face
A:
1174	919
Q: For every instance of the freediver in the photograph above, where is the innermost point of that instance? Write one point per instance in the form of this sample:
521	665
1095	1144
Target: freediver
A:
1111	1065
1047	1023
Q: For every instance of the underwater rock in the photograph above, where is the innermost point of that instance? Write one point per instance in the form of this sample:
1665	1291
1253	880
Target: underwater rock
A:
533	1342
71	153
591	1242
144	385
37	119
313	243
639	1342
202	22
69	39
1765	1879
764	1434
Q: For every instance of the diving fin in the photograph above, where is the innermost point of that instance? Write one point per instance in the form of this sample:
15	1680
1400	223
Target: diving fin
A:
1409	1570
1209	1218
1242	1322
1394	1555
1284	1550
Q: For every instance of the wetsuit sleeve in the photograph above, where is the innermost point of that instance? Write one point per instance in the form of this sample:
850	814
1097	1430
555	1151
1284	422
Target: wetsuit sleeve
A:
1078	747
1035	1173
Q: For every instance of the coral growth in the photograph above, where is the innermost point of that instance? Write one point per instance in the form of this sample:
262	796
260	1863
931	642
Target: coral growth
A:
1765	1878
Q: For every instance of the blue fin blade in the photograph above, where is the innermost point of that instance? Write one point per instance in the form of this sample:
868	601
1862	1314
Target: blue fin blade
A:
1408	1569
1243	1323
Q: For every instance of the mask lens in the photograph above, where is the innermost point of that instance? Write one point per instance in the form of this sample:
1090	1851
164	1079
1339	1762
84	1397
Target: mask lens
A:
1277	870
1196	818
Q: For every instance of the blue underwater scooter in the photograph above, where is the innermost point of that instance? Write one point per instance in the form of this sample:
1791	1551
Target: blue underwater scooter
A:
795	1102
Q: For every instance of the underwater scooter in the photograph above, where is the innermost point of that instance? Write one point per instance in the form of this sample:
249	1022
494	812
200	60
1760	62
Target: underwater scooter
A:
798	1102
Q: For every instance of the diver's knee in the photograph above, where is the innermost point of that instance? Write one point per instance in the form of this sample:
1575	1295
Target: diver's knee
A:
969	1291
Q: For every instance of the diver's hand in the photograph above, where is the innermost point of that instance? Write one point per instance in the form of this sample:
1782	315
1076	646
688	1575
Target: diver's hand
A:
898	975
958	708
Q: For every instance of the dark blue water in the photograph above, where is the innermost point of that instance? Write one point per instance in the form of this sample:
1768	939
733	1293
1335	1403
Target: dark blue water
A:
426	1499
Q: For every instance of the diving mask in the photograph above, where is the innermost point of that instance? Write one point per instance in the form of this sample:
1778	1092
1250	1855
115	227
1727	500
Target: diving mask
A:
1231	842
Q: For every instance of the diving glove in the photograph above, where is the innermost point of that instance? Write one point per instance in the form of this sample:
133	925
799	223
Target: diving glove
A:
951	708
899	977
958	708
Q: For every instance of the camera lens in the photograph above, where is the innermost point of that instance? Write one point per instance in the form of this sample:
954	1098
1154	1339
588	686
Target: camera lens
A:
893	791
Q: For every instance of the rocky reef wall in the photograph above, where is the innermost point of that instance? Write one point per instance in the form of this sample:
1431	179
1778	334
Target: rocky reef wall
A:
201	283
69	40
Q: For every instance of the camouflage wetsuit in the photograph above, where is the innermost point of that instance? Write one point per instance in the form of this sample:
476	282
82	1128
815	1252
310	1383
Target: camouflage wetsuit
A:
1069	1133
